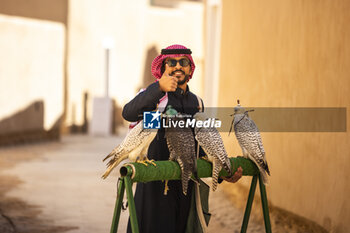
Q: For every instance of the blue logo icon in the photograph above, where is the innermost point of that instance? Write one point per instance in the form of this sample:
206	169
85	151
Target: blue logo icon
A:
151	120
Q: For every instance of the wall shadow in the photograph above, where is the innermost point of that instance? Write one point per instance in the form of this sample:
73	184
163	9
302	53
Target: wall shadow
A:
27	125
53	10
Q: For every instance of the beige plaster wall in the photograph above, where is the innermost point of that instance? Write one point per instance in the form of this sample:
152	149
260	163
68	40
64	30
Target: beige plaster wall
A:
31	67
293	54
131	27
180	25
91	23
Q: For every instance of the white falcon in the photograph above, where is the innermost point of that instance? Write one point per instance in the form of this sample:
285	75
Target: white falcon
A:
248	137
134	147
211	142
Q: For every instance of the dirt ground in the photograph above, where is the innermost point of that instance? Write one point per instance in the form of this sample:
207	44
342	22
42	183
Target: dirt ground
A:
56	187
16	215
235	197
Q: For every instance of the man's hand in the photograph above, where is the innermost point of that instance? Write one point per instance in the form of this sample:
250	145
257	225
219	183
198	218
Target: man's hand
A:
235	177
167	83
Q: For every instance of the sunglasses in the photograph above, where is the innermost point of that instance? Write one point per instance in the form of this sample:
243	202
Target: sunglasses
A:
173	62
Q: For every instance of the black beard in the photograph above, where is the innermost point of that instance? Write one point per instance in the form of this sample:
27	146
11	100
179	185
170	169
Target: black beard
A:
187	77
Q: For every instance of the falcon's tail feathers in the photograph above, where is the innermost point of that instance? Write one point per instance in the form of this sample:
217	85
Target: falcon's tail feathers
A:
114	153
264	176
186	176
112	164
215	174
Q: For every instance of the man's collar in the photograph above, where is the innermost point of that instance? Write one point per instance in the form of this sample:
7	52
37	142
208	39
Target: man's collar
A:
180	91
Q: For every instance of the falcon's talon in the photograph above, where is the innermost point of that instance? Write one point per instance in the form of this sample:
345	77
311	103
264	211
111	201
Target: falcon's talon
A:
146	162
151	161
142	162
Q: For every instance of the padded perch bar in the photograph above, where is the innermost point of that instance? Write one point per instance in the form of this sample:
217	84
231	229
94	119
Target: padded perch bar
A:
169	170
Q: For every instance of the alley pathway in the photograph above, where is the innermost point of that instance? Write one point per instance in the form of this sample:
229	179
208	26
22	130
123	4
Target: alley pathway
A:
56	187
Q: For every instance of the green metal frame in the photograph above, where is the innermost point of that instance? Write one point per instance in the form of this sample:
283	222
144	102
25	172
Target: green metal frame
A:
264	204
169	170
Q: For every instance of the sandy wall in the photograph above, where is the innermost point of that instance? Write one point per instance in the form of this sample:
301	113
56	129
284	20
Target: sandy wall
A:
293	54
31	67
131	28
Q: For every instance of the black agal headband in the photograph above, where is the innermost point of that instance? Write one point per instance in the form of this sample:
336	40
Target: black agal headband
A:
176	51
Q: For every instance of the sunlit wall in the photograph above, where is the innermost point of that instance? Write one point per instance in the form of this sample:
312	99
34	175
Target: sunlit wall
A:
293	54
31	67
130	29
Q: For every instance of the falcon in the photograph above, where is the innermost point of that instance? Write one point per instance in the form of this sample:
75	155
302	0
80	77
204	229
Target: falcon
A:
181	145
249	139
134	147
211	142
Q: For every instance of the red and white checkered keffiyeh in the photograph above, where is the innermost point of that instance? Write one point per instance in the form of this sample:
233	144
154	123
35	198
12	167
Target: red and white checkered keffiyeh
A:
157	73
158	61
